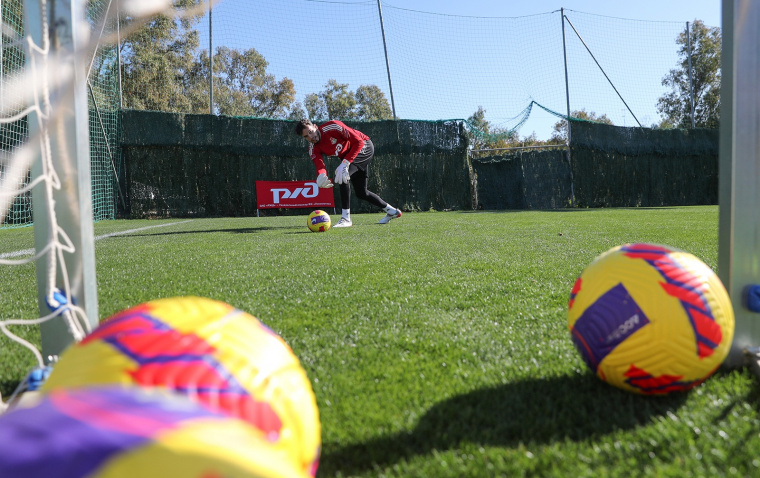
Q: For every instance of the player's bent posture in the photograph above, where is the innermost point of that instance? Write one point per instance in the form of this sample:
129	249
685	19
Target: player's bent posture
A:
356	150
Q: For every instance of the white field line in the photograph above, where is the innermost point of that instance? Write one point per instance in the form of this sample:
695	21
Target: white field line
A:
29	252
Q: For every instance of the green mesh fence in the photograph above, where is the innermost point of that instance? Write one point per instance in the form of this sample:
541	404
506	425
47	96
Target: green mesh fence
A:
202	165
626	167
104	106
13	134
103	97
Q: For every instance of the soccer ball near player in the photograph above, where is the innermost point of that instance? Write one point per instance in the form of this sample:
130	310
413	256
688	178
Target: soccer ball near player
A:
319	221
217	355
650	319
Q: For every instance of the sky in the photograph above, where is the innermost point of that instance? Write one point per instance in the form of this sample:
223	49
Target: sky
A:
448	58
658	10
709	11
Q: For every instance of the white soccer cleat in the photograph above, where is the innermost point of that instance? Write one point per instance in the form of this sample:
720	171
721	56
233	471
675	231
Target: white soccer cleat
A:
389	216
344	223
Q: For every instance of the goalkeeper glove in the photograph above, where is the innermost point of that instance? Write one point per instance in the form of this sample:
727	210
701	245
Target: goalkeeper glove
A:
341	173
323	182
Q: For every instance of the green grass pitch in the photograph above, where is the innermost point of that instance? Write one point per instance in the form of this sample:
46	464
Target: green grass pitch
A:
437	345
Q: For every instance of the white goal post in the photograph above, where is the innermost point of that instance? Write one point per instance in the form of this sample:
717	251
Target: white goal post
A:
62	204
739	173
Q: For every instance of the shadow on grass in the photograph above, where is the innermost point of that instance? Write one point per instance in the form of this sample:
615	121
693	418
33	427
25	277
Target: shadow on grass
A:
531	411
8	386
240	230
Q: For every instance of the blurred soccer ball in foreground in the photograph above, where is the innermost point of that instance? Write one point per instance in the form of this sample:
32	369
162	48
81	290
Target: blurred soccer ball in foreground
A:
319	221
650	319
108	432
219	356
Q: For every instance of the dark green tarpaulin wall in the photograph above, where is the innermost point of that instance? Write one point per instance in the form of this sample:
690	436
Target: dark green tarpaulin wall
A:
183	165
614	166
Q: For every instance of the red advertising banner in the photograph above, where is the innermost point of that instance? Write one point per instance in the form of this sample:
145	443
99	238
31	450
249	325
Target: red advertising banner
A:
292	194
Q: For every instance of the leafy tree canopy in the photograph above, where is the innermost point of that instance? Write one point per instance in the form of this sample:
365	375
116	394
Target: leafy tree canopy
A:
675	106
242	86
336	101
164	70
156	59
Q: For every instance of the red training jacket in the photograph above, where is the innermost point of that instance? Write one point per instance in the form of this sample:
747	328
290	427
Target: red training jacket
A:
336	139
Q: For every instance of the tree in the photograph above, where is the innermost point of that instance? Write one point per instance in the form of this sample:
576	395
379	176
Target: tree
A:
156	61
559	135
336	101
315	107
164	71
297	111
339	100
242	86
675	106
371	104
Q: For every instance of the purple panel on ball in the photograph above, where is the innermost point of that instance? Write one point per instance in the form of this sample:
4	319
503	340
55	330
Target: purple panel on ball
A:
71	434
321	219
606	323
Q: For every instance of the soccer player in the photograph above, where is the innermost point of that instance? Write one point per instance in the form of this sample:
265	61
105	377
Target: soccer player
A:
356	150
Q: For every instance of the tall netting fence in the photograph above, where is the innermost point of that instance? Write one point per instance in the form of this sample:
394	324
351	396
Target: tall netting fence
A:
103	100
187	165
287	59
13	133
104	106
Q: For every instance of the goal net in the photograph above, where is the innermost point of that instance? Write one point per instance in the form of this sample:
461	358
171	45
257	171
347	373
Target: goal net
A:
59	168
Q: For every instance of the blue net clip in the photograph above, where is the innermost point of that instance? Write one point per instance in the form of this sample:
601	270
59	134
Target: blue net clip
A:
37	378
752	298
58	303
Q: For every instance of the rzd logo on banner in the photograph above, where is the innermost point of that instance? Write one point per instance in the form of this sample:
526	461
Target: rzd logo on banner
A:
292	194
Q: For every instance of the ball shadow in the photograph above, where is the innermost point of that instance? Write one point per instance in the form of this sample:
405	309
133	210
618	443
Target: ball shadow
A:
530	411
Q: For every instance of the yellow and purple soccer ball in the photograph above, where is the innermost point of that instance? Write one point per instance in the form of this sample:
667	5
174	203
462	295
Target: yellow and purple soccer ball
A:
650	319
319	221
219	356
111	432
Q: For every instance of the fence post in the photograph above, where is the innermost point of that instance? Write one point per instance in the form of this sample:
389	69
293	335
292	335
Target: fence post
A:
387	65
691	80
210	63
118	55
2	94
567	120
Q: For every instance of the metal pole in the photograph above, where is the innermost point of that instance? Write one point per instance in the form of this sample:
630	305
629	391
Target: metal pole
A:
691	80
210	63
2	95
567	97
118	56
387	65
